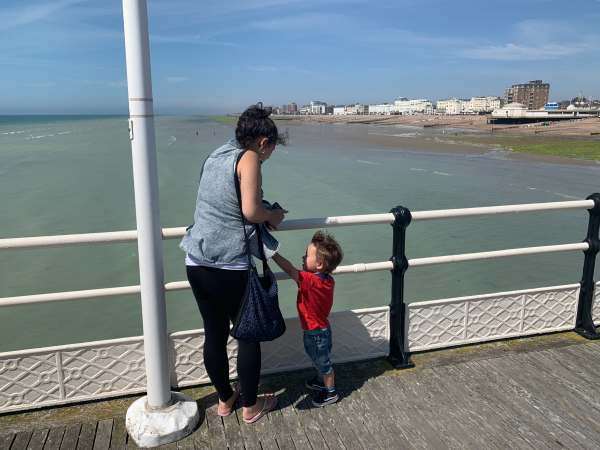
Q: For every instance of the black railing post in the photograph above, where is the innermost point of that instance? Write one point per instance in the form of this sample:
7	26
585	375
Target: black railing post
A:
584	325
399	356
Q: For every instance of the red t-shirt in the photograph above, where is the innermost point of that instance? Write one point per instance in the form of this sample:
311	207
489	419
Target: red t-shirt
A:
315	299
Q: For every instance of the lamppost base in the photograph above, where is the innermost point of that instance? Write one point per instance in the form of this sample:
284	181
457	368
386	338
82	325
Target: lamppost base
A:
153	427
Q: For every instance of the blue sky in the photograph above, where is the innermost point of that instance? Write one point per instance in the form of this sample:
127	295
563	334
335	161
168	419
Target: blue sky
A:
67	56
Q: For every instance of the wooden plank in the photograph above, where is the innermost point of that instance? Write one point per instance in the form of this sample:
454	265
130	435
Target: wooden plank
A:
516	413
54	438
248	433
478	415
543	422
103	433
455	419
573	412
21	440
360	433
568	374
298	399
187	443
233	434
118	436
291	421
362	403
38	439
6	440
86	436
216	432
264	434
70	438
200	436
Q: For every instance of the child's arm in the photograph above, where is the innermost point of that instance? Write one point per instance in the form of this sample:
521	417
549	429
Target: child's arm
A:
286	266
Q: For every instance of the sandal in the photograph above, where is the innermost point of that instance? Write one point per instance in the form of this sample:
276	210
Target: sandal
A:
269	404
221	413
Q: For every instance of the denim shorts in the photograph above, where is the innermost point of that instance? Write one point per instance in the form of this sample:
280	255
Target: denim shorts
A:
317	344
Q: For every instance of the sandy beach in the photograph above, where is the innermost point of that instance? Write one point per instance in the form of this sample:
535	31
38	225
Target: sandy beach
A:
570	142
581	127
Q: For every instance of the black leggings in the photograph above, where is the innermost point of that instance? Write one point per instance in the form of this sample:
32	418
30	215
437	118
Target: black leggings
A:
219	294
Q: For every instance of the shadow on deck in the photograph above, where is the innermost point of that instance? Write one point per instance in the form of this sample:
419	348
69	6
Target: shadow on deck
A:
538	392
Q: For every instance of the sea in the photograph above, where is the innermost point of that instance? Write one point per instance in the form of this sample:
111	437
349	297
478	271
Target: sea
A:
73	174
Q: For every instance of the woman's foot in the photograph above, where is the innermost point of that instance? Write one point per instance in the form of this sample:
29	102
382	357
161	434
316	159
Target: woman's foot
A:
263	405
226	408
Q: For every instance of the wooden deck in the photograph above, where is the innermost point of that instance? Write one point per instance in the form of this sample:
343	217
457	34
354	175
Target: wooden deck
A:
507	396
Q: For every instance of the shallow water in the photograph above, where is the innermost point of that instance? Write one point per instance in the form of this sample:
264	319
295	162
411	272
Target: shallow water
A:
65	175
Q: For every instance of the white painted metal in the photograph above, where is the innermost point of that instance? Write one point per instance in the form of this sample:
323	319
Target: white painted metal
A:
480	318
503	209
172	286
68	239
294	224
71	295
145	181
497	254
90	371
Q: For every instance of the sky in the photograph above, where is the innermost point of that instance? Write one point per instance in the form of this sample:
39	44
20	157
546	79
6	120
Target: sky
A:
219	56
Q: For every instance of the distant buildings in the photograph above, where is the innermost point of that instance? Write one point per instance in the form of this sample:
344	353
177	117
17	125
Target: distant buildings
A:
476	105
533	95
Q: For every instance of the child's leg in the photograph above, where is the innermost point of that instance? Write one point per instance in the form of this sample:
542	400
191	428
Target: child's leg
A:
329	380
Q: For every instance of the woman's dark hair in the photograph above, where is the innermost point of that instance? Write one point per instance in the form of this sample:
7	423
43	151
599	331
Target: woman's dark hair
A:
255	123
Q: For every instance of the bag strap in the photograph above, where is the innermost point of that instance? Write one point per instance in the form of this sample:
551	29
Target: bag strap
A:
256	229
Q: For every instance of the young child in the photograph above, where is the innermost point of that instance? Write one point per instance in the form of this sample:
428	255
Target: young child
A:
314	302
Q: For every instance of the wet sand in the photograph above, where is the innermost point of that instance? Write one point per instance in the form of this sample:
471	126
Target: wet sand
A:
458	134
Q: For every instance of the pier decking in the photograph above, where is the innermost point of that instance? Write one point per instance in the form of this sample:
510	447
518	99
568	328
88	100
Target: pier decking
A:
539	392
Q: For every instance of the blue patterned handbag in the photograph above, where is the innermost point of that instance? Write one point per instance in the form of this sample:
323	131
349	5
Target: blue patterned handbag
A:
259	318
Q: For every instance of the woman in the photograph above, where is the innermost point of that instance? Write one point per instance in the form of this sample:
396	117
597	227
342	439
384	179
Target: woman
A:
217	261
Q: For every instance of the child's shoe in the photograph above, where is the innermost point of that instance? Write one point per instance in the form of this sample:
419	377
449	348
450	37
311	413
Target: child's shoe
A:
314	384
325	397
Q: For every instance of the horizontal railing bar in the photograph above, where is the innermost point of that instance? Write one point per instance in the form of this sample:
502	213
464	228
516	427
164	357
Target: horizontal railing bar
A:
353	268
293	224
68	239
503	209
497	254
172	286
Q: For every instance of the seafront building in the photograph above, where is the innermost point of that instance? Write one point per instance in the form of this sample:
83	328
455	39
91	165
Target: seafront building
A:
476	105
534	95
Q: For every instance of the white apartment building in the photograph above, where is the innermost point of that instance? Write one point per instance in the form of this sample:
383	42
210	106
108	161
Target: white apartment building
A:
483	104
451	106
317	107
350	110
385	109
406	106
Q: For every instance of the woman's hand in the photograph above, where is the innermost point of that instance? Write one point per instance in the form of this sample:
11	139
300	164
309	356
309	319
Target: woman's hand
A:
276	216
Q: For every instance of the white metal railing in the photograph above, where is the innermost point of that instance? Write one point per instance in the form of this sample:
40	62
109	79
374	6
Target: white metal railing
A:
296	224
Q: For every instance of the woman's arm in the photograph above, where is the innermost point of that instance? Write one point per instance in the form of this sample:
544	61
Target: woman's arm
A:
250	182
286	266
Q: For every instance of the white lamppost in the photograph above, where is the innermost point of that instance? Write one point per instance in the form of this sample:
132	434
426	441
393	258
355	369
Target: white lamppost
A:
162	416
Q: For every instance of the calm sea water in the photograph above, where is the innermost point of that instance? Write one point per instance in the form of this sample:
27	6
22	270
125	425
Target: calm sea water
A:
63	175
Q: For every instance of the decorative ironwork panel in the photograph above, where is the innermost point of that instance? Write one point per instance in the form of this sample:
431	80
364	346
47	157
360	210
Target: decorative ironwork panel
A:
28	380
464	320
550	310
104	369
495	316
596	306
433	323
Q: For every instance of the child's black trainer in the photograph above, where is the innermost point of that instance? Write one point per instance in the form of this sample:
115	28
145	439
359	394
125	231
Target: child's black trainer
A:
325	397
314	384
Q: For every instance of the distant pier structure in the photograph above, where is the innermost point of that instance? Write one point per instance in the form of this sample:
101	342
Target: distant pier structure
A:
518	113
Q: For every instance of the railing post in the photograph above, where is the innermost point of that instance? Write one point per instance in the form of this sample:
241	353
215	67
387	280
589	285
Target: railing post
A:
399	355
584	324
162	416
